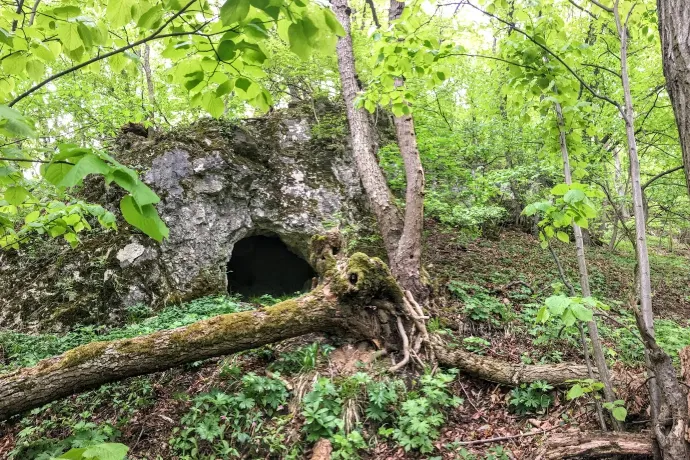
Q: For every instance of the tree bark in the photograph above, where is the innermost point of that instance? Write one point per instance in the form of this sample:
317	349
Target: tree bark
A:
341	304
674	29
597	348
668	404
387	214
408	259
148	74
577	444
506	373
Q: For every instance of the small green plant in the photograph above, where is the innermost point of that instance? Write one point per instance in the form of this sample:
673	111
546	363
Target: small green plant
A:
303	359
534	398
592	388
105	451
321	409
33	443
219	424
346	446
476	345
420	416
617	409
497	453
480	305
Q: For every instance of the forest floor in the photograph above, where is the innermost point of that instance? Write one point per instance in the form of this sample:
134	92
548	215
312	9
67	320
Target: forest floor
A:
274	402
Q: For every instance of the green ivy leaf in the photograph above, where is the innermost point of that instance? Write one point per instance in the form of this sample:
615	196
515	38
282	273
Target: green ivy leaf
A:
563	237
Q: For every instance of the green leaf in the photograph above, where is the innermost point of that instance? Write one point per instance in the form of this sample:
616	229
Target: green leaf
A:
234	11
301	35
543	315
35	69
557	304
619	413
16	195
145	218
104	451
563	237
119	12
582	221
32	216
560	189
227	50
568	318
68	33
152	18
13	123
581	312
55	172
333	23
88	164
243	84
575	392
139	190
213	105
574	196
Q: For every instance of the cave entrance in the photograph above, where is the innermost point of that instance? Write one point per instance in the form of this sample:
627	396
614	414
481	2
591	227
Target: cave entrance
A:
264	265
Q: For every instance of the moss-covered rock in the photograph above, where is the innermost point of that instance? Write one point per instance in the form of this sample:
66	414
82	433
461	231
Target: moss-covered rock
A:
219	182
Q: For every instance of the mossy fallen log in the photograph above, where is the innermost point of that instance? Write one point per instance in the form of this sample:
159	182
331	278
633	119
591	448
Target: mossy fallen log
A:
342	303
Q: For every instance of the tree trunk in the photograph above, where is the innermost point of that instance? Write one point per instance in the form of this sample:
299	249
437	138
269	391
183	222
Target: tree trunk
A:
668	403
341	304
387	214
674	28
146	64
597	348
577	444
408	259
506	373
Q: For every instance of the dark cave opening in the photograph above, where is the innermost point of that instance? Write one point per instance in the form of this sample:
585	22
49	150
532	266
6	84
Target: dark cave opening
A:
264	265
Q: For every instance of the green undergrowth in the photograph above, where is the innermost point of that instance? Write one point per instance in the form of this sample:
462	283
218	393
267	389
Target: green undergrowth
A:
517	311
20	350
241	414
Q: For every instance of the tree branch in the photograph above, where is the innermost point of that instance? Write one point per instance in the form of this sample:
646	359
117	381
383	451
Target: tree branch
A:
660	175
558	58
155	35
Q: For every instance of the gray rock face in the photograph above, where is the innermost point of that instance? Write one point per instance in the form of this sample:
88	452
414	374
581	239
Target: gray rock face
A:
211	199
218	183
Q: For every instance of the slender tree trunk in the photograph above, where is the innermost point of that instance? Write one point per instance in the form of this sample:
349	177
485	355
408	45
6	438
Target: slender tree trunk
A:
408	261
402	236
146	64
387	214
669	420
597	348
674	28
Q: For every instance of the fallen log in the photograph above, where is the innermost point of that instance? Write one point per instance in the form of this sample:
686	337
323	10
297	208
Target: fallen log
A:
340	304
580	444
506	373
